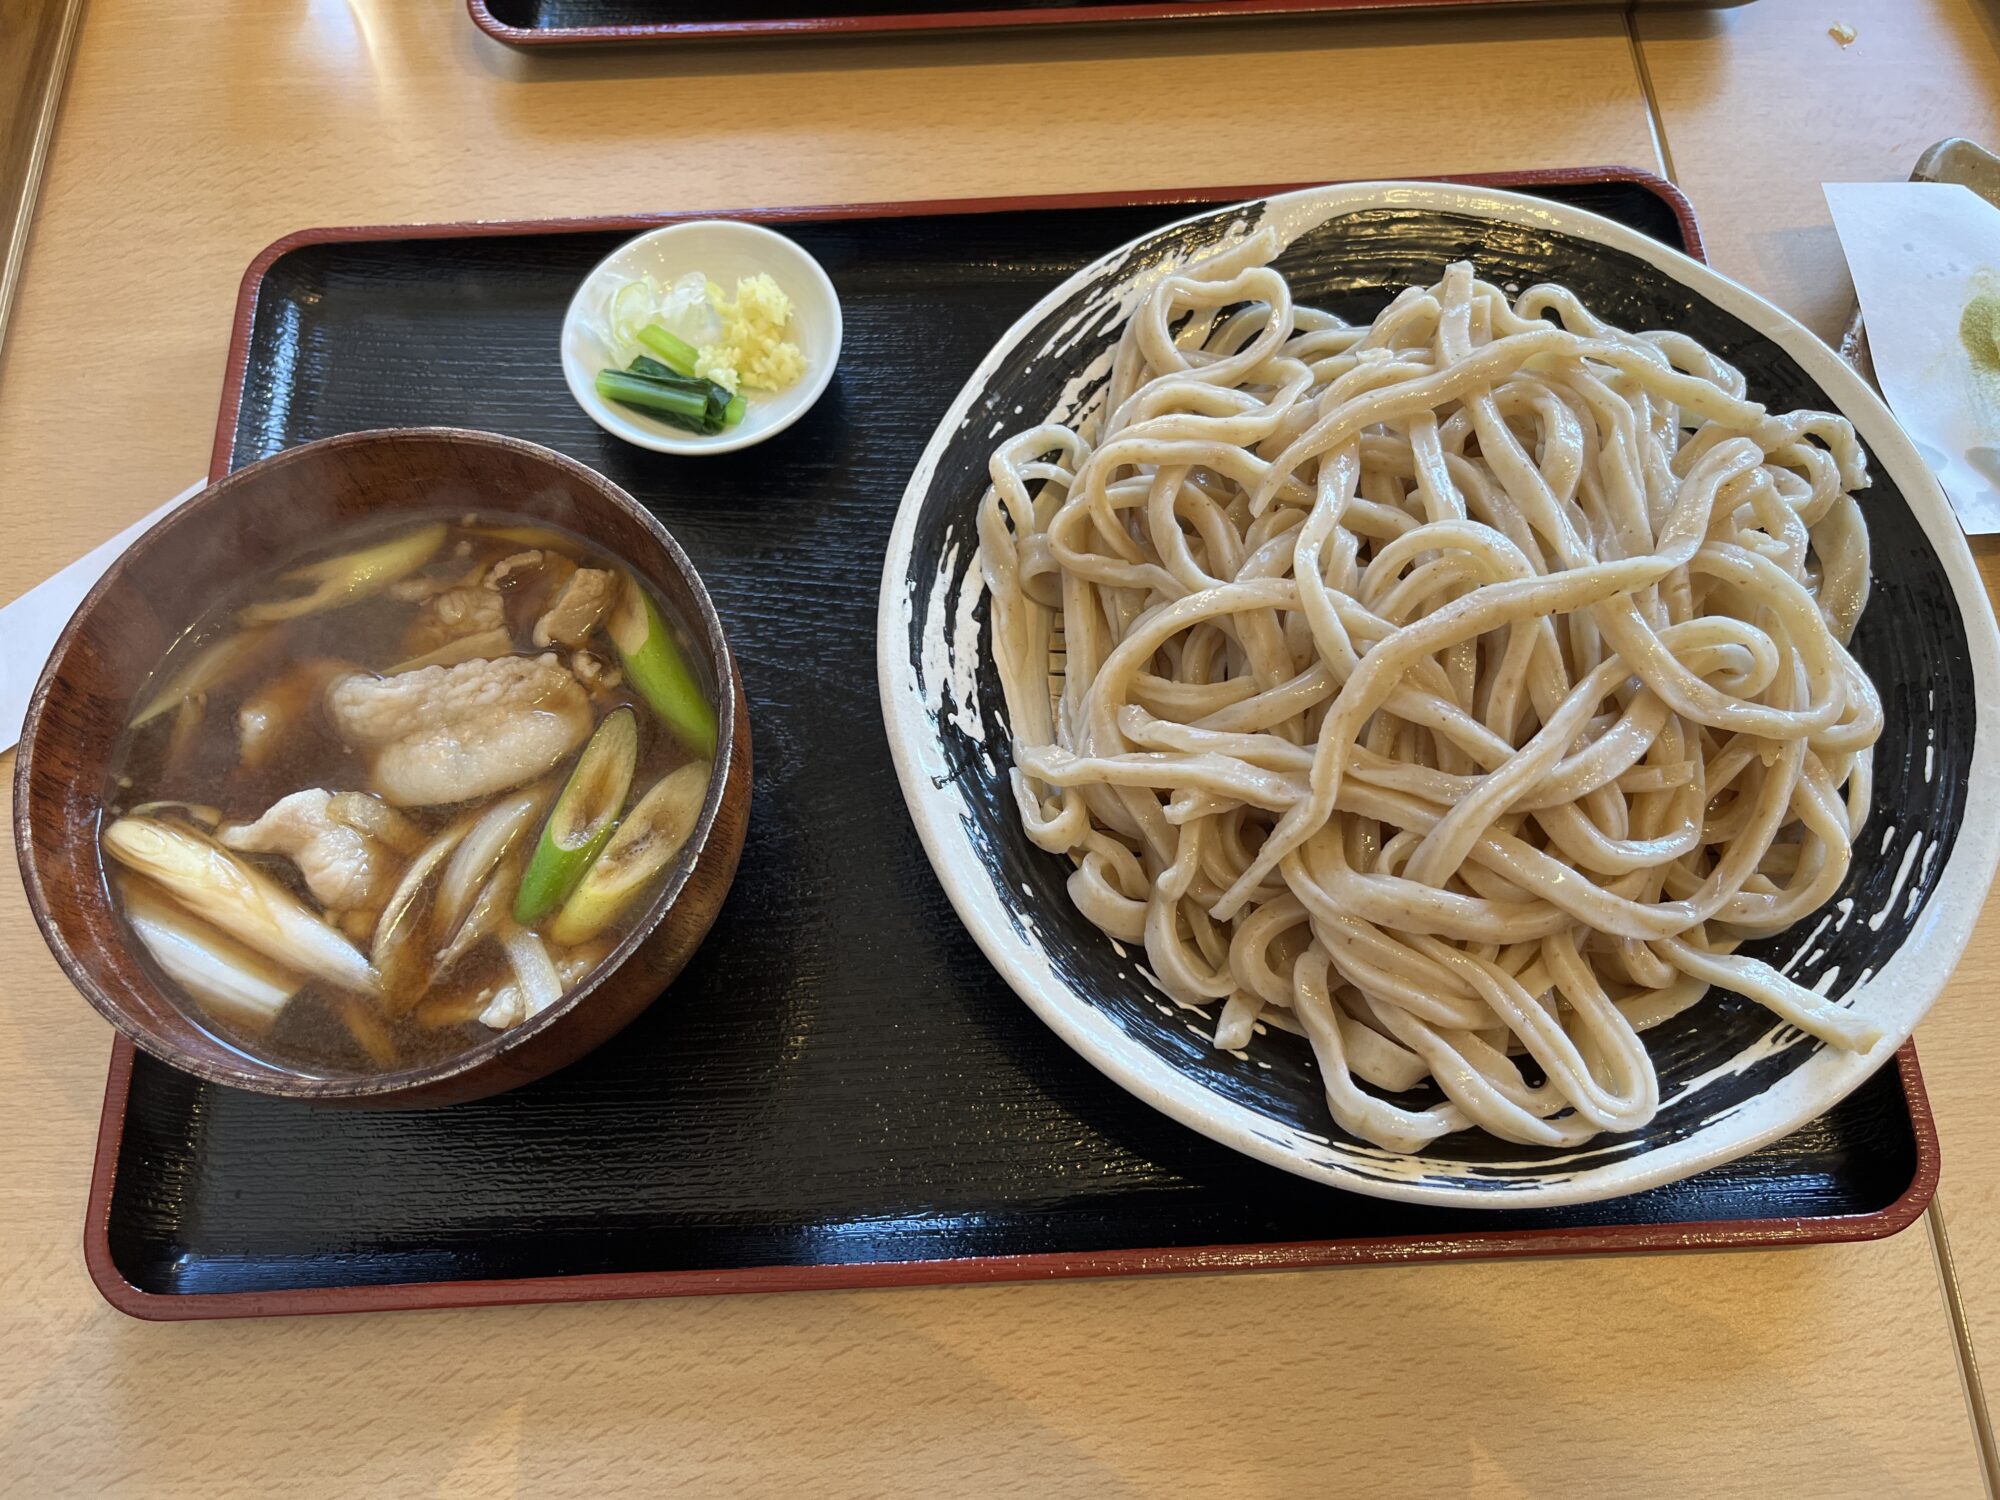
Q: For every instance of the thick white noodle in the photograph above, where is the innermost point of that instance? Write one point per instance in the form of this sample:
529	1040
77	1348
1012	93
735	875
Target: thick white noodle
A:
1458	690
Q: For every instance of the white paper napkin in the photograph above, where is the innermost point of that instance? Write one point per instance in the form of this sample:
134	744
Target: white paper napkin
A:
1921	253
30	625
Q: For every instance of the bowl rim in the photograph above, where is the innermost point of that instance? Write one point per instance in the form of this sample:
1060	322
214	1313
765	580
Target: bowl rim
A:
819	372
277	1079
1822	1079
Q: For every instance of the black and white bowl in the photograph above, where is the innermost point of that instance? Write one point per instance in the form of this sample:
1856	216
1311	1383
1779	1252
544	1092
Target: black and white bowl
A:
1732	1078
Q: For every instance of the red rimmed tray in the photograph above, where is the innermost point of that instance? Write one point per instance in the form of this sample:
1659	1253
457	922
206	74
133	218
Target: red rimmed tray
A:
841	1093
546	23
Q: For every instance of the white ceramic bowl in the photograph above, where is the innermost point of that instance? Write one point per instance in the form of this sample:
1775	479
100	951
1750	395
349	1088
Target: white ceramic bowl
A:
723	250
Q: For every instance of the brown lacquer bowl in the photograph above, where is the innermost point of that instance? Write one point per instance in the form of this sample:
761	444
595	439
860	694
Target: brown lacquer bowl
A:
252	520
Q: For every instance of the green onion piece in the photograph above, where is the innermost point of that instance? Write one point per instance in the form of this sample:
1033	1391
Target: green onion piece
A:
645	844
690	408
676	351
657	670
733	412
582	818
631	306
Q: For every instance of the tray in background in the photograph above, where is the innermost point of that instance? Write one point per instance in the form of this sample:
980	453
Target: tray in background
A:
555	23
840	1091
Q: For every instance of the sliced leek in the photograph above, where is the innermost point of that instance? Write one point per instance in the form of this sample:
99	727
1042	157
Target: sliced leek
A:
230	982
645	844
194	812
441	1011
499	829
211	666
631	307
530	536
350	576
229	893
369	814
488	914
483	645
402	950
186	730
582	818
365	1024
657	670
534	970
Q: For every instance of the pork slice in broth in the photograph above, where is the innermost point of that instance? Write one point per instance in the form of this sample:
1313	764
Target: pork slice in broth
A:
579	608
344	868
444	735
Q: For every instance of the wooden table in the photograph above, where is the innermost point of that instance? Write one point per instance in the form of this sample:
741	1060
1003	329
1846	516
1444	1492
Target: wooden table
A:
194	134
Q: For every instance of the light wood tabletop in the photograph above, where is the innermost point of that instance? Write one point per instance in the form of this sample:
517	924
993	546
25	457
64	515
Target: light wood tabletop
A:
35	41
1913	75
193	135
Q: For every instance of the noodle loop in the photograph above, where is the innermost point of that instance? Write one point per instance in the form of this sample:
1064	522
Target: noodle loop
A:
1460	690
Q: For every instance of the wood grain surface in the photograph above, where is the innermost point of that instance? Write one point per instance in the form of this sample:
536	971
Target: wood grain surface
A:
1760	106
1733	1377
1961	1052
568	23
36	37
194	134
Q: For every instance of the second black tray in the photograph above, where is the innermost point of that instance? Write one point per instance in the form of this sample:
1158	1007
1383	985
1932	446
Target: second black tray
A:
571	23
839	1089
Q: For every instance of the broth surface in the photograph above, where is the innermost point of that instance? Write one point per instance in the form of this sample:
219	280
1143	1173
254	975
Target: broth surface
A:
309	703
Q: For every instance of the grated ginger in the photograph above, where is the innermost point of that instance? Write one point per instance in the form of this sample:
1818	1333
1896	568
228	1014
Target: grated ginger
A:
753	351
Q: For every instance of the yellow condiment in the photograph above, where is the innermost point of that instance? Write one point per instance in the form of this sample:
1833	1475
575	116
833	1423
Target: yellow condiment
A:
753	351
1979	331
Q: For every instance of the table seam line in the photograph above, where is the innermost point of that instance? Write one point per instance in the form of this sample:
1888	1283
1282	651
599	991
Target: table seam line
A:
40	146
1961	1337
1656	122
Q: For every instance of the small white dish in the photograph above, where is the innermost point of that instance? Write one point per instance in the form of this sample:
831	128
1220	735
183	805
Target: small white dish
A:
723	250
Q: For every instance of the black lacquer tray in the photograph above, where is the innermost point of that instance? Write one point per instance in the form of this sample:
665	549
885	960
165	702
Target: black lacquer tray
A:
839	1091
560	23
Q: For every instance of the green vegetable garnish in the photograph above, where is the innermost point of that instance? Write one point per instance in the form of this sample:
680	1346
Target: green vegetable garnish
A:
684	407
582	818
657	670
645	844
677	352
684	400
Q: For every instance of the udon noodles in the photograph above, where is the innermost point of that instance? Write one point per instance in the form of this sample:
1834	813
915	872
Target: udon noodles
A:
1460	690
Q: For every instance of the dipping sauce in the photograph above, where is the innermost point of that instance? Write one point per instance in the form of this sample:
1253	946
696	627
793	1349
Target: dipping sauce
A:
394	797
